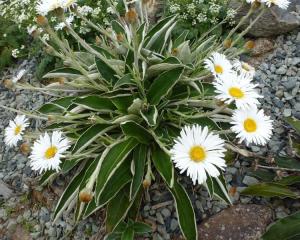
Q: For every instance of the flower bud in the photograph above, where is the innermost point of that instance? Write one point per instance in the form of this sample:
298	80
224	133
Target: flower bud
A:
249	45
98	40
85	195
227	43
8	83
25	148
131	16
120	37
146	183
42	21
256	4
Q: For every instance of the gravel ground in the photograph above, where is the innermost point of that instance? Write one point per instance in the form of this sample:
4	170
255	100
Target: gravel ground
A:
29	210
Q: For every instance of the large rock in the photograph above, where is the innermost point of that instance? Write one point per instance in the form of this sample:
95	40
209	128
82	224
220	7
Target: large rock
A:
247	222
274	21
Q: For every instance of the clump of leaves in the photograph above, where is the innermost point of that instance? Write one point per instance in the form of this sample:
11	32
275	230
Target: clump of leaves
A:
128	97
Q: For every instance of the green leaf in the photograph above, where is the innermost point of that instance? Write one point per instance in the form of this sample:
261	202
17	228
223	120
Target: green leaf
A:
128	234
106	71
263	175
185	212
57	106
125	80
132	129
285	162
289	180
111	160
142	228
150	115
95	102
117	209
287	228
119	179
270	190
139	159
163	165
295	123
122	102
69	164
159	34
89	136
63	72
216	186
117	27
47	177
70	192
163	84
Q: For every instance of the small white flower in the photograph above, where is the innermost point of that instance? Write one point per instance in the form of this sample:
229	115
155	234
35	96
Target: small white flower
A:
252	126
199	153
47	152
20	74
238	89
13	133
15	53
284	4
31	29
244	68
61	25
218	64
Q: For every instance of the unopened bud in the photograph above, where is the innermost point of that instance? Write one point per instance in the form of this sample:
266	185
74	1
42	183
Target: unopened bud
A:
98	40
146	183
8	83
85	195
59	12
256	4
120	37
131	16
51	118
25	148
60	80
249	45
42	21
174	51
49	50
227	43
220	103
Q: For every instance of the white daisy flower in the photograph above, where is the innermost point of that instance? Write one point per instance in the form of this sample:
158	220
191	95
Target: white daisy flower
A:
243	68
252	1
218	64
199	153
284	4
252	126
47	152
238	89
45	6
13	133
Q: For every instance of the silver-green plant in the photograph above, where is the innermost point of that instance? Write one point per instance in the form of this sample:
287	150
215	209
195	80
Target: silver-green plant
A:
125	99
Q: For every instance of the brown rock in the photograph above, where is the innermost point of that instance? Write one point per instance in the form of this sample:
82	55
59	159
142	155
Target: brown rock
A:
275	21
20	233
246	222
262	46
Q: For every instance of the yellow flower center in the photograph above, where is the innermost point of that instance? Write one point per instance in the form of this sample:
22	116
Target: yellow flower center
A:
197	154
18	129
250	125
50	152
236	92
219	69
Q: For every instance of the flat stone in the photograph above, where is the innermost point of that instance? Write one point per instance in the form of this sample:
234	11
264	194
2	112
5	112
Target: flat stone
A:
247	222
287	112
248	180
